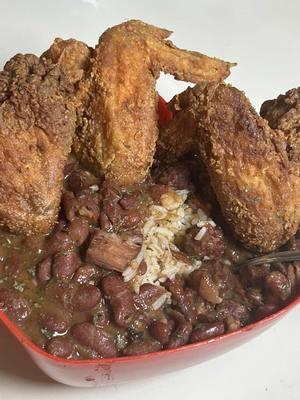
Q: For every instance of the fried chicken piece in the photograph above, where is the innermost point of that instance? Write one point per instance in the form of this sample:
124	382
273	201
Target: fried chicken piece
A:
119	125
37	123
284	113
254	181
74	56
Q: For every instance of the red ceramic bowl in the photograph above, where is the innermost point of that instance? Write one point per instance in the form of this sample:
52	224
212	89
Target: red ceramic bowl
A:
118	370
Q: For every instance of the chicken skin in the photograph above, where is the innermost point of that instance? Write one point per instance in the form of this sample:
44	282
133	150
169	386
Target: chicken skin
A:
284	113
118	131
254	181
74	56
37	123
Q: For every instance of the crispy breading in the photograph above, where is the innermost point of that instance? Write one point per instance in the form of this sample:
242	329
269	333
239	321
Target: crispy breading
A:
74	56
254	181
118	130
37	123
284	113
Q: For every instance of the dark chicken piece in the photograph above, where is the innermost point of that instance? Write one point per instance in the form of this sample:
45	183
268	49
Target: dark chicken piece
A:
37	123
255	183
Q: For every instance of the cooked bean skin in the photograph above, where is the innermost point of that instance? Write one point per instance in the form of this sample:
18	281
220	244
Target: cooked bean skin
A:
88	335
15	304
54	319
207	331
143	347
44	273
183	329
65	265
278	285
121	299
86	274
86	297
183	298
59	242
60	347
78	230
211	245
161	331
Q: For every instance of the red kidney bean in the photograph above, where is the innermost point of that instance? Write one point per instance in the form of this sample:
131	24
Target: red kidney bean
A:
148	295
60	347
86	297
119	210
185	302
43	271
142	347
65	265
178	176
156	191
129	200
211	244
58	242
255	296
255	275
14	304
161	331
121	299
101	316
234	309
78	230
86	274
278	285
85	205
88	335
206	331
208	289
182	331
54	319
80	180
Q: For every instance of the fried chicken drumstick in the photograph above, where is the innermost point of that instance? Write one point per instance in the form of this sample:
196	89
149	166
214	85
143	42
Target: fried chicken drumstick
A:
37	123
119	121
256	185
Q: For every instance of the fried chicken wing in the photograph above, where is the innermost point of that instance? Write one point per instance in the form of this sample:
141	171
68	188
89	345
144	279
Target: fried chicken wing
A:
254	181
37	123
284	113
118	129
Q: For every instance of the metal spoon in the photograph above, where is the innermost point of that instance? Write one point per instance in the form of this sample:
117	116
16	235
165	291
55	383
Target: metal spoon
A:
281	256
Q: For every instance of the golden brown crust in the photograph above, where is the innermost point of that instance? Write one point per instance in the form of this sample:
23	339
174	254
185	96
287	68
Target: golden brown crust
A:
74	56
119	125
283	113
248	166
37	123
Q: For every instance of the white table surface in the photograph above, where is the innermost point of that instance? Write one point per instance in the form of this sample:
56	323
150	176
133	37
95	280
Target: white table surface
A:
263	37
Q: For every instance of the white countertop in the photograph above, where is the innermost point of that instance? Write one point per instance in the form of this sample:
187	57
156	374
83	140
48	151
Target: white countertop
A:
264	38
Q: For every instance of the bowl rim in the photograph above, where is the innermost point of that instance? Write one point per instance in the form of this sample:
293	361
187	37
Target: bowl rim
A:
24	340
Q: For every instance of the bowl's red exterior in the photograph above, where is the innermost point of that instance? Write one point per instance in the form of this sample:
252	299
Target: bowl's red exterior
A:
117	370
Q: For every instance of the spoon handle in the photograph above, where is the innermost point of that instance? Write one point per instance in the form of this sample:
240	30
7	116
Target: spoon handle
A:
281	256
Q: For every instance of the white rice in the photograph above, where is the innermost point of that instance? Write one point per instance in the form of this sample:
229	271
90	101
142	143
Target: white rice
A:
167	222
